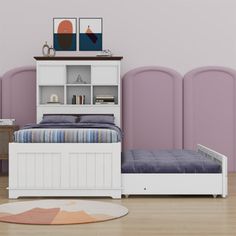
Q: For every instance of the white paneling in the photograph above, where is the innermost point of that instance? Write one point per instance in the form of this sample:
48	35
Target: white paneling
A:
65	172
73	158
21	170
51	75
47	170
82	167
39	171
105	75
91	168
56	170
107	170
99	170
30	170
66	168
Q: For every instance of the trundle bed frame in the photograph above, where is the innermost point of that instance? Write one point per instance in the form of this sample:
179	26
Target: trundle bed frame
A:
91	169
180	184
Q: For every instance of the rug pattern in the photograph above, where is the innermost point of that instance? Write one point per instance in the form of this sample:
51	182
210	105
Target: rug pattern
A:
57	212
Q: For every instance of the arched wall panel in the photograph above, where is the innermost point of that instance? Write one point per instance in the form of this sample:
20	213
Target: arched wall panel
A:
210	110
152	108
19	95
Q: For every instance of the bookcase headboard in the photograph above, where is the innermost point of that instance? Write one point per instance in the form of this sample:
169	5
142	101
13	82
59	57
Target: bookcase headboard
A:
78	85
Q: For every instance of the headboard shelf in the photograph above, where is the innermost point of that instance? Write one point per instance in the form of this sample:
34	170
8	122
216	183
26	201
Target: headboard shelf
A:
84	85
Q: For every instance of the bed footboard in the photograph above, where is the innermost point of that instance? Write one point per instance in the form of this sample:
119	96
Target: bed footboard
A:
209	153
64	169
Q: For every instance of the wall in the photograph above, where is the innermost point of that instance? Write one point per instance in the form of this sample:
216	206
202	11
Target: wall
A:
181	34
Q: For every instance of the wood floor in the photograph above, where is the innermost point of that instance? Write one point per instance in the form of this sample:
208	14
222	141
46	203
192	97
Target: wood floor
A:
156	215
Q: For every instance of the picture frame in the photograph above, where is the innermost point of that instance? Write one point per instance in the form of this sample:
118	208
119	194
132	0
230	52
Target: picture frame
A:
90	33
65	33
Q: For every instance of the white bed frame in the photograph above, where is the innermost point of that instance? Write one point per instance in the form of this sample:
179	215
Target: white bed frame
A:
71	169
64	169
180	184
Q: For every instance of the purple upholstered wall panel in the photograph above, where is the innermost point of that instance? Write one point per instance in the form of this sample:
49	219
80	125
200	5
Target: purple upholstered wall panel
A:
19	95
0	97
210	110
152	108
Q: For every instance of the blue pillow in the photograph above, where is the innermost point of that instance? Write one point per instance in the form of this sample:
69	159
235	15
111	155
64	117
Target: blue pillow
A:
97	119
58	119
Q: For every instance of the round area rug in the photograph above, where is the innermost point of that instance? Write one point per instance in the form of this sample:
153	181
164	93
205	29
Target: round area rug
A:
59	212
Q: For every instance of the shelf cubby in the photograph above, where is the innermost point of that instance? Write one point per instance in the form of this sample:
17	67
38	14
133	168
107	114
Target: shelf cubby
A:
78	90
78	74
105	90
45	93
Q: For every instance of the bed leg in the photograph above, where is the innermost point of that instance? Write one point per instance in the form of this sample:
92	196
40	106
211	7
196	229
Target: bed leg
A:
126	195
12	195
214	195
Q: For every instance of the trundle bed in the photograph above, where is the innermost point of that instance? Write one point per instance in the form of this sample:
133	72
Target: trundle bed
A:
153	121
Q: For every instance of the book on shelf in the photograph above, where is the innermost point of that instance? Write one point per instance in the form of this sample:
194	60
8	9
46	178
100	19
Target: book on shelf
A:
105	96
104	99
102	103
78	99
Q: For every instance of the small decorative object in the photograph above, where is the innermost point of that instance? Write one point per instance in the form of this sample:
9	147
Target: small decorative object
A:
74	99
54	98
51	52
48	51
105	53
64	34
45	49
79	80
7	121
90	34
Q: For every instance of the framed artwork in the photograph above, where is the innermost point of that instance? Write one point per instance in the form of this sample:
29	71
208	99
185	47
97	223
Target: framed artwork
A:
90	34
64	34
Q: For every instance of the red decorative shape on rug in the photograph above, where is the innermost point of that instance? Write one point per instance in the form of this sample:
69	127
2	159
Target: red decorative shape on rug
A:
76	217
33	216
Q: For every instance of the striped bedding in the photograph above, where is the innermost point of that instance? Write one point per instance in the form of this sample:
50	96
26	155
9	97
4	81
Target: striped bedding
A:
86	135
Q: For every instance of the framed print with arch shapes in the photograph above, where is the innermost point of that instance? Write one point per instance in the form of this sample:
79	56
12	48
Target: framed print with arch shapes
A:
90	34
64	34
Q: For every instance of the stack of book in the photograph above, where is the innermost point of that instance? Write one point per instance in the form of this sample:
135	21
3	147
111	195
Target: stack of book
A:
78	99
104	99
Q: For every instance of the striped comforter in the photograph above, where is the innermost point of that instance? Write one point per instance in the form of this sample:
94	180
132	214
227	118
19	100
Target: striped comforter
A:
86	135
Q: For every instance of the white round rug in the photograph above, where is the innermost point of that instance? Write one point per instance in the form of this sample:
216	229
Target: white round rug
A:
57	212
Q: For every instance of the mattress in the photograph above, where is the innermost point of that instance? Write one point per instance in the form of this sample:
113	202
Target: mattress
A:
66	135
167	161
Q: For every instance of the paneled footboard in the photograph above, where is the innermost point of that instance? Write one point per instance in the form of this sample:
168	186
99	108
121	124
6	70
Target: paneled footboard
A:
65	169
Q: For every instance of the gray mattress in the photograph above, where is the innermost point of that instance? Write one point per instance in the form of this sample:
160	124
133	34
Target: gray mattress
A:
167	161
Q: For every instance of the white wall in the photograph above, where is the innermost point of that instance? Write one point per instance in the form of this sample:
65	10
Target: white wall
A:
181	34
